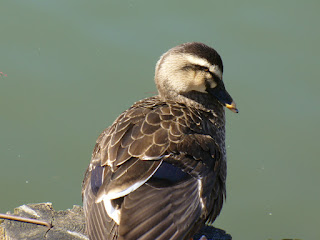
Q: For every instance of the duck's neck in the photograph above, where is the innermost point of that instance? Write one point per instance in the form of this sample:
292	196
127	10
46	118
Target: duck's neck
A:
199	101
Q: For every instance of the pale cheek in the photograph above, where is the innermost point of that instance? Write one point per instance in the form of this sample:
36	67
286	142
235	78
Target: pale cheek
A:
188	81
210	80
180	82
213	84
196	82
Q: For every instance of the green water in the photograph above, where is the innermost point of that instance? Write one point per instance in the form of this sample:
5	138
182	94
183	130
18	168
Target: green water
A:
73	66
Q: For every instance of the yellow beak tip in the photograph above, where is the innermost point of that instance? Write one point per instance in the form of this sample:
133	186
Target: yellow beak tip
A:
232	107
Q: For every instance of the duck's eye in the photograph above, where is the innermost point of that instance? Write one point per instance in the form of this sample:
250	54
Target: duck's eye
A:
205	69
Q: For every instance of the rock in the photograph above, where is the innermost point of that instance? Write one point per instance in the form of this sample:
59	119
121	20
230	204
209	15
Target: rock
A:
68	225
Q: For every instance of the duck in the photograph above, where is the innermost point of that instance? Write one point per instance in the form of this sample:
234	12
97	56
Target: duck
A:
159	171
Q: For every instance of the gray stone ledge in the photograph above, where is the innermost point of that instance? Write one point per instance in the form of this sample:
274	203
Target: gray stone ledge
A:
68	225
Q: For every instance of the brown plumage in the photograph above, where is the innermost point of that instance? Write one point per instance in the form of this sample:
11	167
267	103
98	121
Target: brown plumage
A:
159	171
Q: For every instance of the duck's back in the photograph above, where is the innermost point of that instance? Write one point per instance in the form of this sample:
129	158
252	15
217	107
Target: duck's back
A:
158	172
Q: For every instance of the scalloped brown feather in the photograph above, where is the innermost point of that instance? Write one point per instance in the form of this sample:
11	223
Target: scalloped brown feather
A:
188	138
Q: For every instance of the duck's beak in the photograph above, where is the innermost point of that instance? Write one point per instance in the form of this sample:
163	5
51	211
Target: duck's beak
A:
232	107
221	94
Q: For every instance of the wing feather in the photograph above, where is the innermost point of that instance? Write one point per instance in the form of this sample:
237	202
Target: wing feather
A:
131	151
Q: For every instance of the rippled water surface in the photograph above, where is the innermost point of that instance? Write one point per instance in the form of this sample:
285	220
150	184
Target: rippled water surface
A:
68	68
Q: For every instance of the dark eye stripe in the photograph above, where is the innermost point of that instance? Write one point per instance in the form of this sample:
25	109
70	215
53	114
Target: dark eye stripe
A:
195	67
201	68
204	69
188	67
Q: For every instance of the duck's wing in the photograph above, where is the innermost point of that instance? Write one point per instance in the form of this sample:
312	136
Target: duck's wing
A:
127	190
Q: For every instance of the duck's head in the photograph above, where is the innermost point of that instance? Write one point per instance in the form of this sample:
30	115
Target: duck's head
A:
191	69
